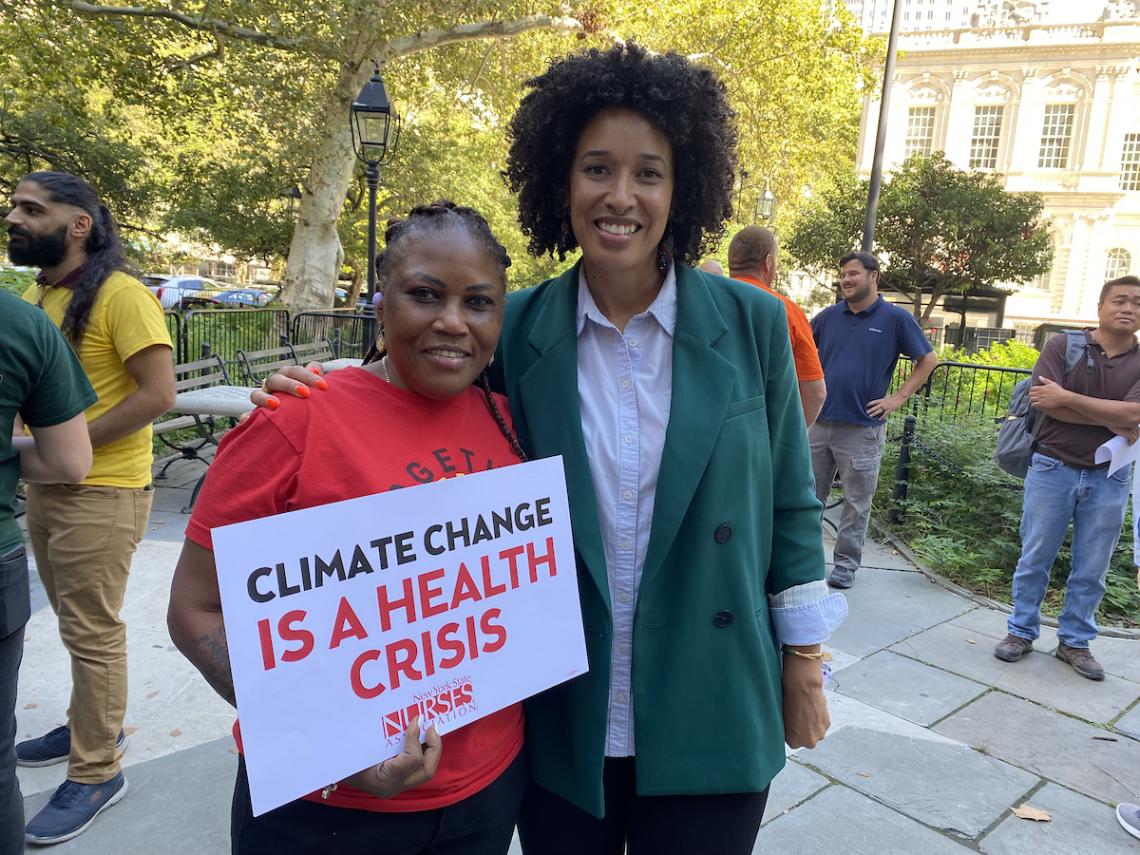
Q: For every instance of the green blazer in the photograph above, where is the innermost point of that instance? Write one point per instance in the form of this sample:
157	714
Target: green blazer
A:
735	519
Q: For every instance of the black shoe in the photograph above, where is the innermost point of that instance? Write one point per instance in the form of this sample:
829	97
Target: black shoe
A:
53	747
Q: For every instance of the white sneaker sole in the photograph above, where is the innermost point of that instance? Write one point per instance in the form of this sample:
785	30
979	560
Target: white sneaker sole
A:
47	841
1130	829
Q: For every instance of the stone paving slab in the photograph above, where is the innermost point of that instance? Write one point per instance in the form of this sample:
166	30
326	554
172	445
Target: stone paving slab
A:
1049	744
793	785
886	606
1130	723
907	688
1039	677
1080	826
944	785
176	805
839	820
1119	656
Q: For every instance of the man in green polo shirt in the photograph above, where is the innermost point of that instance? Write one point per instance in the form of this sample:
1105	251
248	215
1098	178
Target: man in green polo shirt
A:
42	382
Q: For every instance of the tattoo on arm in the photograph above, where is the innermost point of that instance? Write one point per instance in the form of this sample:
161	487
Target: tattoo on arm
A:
211	656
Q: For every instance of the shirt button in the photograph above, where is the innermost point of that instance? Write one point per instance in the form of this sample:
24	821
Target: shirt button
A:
624	544
620	697
625	384
627	494
722	618
629	439
623	598
633	342
723	533
623	649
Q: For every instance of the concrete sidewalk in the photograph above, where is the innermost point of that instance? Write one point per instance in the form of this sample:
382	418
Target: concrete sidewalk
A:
933	740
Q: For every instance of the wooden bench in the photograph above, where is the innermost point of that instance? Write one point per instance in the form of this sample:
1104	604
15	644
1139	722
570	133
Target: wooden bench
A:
315	351
188	376
256	365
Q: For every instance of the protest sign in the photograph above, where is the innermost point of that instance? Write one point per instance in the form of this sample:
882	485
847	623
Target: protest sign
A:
449	600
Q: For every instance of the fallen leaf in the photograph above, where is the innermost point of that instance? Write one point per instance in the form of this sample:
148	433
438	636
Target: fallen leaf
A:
151	695
130	731
970	641
29	706
1027	811
862	774
176	732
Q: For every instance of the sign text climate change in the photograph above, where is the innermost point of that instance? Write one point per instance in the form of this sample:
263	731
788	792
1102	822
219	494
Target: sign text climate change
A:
449	601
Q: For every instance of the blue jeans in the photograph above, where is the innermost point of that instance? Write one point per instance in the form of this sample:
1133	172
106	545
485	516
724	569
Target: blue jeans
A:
1056	494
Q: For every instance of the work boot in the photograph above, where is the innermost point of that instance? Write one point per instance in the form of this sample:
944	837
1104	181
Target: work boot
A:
1082	660
1012	648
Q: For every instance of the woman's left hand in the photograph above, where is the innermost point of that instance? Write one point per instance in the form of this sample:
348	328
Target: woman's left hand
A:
805	708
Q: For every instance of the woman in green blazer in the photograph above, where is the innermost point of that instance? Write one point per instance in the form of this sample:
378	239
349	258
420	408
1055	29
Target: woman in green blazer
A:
671	396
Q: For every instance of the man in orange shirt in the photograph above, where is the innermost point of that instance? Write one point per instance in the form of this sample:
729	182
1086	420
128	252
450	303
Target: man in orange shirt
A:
752	259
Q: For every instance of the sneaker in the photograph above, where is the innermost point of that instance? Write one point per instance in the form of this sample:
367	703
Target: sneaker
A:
1129	818
73	807
1082	660
1012	648
841	577
53	747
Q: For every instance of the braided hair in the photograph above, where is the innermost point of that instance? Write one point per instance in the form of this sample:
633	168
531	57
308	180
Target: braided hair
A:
103	248
439	216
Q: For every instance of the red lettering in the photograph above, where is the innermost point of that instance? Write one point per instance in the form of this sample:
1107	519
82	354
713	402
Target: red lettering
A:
288	632
346	625
394	724
429	653
463	695
265	634
402	656
535	561
490	590
512	555
407	603
489	627
367	692
465	587
472	639
427	594
446	640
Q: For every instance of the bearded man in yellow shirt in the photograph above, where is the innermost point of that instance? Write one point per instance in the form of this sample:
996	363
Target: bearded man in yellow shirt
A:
84	535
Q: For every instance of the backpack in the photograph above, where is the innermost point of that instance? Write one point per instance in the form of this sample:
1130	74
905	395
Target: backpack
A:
1017	436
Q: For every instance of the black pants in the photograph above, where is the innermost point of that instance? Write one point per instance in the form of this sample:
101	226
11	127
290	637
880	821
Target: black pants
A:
482	824
14	608
647	825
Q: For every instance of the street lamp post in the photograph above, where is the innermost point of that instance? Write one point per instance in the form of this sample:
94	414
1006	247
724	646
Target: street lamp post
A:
375	128
881	132
766	204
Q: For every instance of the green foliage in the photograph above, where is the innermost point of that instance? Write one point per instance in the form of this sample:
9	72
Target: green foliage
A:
964	524
944	230
16	280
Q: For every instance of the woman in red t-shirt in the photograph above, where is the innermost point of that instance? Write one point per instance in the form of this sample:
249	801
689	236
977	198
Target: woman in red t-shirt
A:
444	289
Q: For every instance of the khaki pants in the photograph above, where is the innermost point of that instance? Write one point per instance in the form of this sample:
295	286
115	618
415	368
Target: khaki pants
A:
854	451
83	539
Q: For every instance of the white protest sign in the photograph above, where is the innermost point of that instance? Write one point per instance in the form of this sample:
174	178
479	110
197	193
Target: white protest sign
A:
449	600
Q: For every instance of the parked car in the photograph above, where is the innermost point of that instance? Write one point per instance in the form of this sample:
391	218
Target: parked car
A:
182	292
244	297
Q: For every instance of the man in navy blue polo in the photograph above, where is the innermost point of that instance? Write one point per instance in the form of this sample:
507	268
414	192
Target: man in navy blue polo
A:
859	340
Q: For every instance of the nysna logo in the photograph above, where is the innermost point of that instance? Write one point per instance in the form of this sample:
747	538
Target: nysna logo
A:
454	699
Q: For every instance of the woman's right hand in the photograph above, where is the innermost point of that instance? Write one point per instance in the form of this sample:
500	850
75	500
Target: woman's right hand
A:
291	380
414	765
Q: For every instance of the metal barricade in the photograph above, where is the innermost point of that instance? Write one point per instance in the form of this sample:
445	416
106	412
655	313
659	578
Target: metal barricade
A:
177	329
350	331
226	331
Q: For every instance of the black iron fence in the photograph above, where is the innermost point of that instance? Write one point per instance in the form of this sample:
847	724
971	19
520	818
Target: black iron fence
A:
177	330
226	331
350	331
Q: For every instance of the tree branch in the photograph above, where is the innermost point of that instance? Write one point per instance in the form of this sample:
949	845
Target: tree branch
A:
428	39
206	25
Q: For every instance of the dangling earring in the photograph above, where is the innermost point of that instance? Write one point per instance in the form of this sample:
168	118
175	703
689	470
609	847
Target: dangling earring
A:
491	361
663	257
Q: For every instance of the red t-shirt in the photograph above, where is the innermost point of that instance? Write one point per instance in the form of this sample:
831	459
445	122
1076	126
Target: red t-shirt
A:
363	436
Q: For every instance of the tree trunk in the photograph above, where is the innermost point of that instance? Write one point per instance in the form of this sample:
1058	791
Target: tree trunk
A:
315	253
935	296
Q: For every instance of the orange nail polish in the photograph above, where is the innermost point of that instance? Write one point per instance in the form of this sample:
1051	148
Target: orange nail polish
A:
303	391
272	403
322	384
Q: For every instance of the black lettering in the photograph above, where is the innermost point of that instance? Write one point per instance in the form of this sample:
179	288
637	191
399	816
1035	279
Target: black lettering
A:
440	454
419	472
251	585
542	511
283	584
431	548
359	563
329	569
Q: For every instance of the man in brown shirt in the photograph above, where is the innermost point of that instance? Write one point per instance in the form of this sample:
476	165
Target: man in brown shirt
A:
1097	398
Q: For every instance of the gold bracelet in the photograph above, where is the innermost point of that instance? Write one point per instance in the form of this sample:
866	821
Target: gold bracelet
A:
821	656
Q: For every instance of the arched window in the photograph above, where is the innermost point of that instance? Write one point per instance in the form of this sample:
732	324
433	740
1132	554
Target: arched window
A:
1119	261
